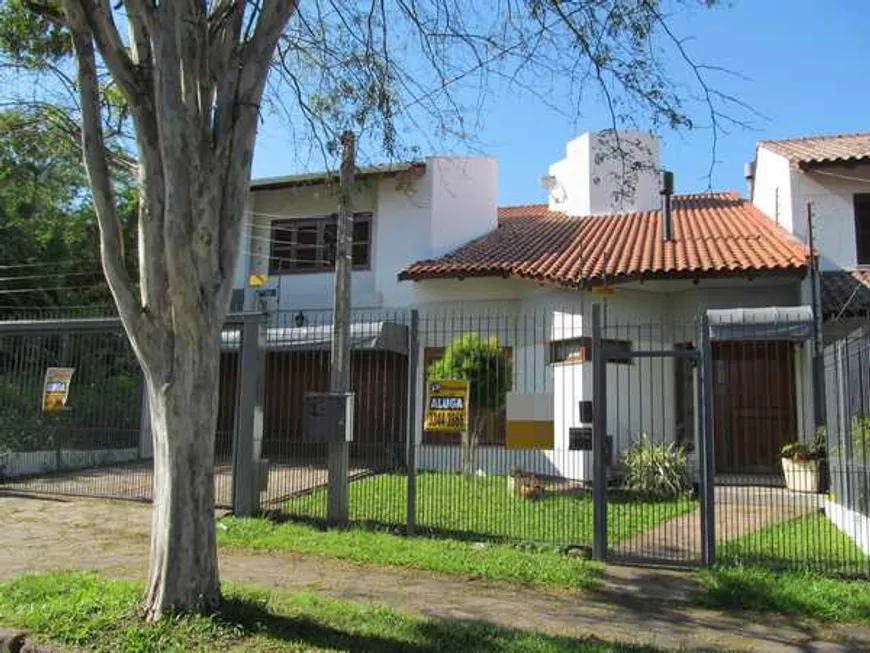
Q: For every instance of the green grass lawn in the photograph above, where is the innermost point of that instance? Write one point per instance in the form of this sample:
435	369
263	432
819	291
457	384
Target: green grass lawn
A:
482	508
805	543
83	610
771	570
543	566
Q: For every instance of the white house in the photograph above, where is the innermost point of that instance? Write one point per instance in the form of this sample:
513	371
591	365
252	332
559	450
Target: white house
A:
830	174
430	236
821	184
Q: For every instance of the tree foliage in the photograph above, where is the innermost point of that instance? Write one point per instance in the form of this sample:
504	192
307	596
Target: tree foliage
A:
49	244
481	362
489	372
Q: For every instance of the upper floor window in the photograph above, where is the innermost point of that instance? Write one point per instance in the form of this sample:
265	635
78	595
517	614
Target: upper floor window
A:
308	245
862	228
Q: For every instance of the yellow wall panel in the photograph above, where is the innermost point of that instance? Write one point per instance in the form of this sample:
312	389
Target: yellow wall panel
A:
530	434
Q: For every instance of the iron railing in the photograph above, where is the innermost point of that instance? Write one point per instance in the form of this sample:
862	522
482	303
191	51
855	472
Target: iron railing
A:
666	449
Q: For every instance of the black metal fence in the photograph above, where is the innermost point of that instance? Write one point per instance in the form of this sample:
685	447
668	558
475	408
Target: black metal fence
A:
98	444
847	433
647	440
96	436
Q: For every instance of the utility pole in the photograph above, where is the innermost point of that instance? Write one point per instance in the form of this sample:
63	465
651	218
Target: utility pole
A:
339	380
819	398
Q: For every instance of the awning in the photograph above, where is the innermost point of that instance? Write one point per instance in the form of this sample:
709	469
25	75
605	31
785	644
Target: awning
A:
769	323
383	336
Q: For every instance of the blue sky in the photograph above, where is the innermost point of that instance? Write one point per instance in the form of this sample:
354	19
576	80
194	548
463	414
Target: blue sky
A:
804	68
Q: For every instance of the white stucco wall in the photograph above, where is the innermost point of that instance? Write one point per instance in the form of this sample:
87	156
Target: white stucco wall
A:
15	464
782	193
464	200
401	236
832	199
852	523
771	190
413	218
593	179
308	289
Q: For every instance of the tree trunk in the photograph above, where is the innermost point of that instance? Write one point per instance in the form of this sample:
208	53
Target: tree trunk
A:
470	441
183	573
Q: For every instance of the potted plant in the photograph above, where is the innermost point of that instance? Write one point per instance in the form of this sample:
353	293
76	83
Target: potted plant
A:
524	485
803	465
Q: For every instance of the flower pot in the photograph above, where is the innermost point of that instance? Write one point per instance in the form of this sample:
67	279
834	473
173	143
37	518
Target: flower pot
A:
524	485
801	476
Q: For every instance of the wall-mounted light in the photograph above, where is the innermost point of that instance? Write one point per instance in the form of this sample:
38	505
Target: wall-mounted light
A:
299	319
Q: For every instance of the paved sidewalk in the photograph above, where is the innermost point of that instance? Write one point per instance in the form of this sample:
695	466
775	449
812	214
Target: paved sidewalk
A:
638	605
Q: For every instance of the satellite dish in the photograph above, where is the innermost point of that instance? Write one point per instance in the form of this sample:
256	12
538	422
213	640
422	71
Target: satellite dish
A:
554	188
549	182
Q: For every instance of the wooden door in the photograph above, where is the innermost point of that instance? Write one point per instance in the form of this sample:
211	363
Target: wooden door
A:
754	404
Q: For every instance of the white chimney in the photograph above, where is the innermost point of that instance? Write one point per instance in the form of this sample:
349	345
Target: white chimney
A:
606	172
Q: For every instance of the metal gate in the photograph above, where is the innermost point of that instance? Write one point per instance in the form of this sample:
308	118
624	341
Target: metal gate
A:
653	478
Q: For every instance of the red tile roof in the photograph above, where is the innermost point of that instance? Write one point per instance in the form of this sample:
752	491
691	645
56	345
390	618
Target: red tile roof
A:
845	293
816	150
717	234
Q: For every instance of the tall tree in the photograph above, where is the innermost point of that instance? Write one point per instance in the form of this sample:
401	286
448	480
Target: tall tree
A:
192	76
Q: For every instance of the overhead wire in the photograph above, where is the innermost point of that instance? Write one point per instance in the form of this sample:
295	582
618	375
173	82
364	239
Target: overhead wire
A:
14	266
17	291
318	216
283	259
56	275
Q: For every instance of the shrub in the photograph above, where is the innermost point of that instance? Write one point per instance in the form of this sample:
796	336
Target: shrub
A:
803	452
855	443
657	469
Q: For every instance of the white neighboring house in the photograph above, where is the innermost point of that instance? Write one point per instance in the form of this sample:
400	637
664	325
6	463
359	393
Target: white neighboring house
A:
430	236
829	176
832	175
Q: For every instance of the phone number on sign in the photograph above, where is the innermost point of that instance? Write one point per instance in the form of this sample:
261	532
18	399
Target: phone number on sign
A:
453	421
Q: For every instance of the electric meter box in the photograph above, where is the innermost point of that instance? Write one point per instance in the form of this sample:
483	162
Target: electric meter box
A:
328	417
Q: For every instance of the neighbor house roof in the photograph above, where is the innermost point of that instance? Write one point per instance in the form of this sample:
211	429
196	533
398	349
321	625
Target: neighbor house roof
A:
821	150
313	178
845	293
716	234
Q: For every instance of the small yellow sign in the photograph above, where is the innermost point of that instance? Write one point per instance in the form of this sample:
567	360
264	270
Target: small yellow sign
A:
56	388
604	291
257	279
447	406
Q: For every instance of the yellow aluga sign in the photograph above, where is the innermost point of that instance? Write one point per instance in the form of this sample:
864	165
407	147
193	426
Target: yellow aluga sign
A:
446	406
56	388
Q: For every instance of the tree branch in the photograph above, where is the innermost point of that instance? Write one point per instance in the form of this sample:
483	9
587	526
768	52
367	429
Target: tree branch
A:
98	14
96	163
143	11
237	137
